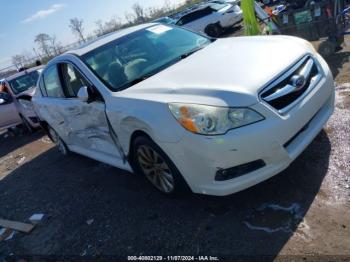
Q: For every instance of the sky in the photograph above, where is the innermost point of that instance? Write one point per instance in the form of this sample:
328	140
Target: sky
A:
22	20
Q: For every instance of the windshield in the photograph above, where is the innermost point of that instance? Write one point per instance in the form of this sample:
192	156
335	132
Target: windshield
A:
132	58
24	82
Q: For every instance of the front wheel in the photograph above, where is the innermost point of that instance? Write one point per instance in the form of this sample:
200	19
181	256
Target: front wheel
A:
155	165
327	48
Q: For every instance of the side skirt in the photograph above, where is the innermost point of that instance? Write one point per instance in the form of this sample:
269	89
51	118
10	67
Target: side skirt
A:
110	160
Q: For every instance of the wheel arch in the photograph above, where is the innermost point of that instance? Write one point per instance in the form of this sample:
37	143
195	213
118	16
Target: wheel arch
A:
45	126
216	24
130	154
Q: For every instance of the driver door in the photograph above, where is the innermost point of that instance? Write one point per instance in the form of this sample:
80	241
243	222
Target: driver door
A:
82	125
87	120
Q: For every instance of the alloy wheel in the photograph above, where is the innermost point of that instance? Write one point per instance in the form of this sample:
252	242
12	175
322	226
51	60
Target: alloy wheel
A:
156	169
58	141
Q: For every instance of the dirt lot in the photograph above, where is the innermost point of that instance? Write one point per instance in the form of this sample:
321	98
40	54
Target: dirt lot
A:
94	209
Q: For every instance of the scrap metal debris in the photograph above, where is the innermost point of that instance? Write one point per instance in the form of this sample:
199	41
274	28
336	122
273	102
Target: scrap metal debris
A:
6	234
90	221
19	226
36	218
21	160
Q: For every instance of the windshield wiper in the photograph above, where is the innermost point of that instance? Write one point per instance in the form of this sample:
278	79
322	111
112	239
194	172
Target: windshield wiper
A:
139	79
183	56
135	81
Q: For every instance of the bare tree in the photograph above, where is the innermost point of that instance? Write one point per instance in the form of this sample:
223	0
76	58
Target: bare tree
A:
43	42
100	28
130	18
140	16
113	25
27	55
18	60
55	45
36	53
76	25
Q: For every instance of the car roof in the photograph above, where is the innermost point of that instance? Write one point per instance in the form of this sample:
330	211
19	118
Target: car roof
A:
26	71
102	40
187	11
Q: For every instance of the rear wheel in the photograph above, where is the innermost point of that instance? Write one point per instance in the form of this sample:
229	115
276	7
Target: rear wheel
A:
155	165
327	48
213	30
62	147
26	125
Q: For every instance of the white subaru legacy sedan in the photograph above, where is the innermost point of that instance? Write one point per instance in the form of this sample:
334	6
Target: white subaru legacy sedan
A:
187	112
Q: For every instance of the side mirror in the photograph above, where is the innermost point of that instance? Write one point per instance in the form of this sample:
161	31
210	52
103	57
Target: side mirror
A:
83	94
5	98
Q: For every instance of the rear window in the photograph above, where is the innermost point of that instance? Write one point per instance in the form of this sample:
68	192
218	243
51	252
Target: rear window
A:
195	16
24	82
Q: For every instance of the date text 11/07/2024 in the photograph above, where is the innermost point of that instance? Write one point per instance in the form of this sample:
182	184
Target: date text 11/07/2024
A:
173	258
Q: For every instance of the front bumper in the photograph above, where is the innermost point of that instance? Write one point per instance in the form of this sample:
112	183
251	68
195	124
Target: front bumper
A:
277	141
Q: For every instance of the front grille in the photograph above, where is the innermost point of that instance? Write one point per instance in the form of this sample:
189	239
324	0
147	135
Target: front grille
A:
285	92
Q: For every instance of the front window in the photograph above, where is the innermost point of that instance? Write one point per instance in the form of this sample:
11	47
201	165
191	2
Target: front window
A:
133	58
24	82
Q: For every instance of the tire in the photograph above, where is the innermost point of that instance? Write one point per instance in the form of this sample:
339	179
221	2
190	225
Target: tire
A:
26	125
61	145
327	48
213	30
150	161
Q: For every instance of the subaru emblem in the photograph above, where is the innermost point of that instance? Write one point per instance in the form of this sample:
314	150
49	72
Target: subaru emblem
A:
298	81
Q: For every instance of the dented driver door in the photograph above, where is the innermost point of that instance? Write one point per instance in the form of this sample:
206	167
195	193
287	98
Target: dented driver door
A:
82	125
87	120
88	127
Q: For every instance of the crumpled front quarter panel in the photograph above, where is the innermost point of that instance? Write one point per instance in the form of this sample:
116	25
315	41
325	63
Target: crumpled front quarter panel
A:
128	115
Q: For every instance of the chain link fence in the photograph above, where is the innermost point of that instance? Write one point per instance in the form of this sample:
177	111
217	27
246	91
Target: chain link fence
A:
31	61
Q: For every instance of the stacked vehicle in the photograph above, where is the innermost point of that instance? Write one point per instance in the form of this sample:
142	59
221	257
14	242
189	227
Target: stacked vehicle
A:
15	99
210	18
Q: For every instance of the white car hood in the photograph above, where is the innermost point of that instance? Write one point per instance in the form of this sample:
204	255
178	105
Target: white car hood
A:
229	71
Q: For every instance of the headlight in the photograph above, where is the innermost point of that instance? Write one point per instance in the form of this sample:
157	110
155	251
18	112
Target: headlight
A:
212	120
25	103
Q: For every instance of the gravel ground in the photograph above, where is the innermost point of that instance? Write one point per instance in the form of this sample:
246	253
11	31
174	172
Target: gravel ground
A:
94	209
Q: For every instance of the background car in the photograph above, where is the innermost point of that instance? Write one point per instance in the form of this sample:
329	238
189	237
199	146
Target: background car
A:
209	18
9	116
21	87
